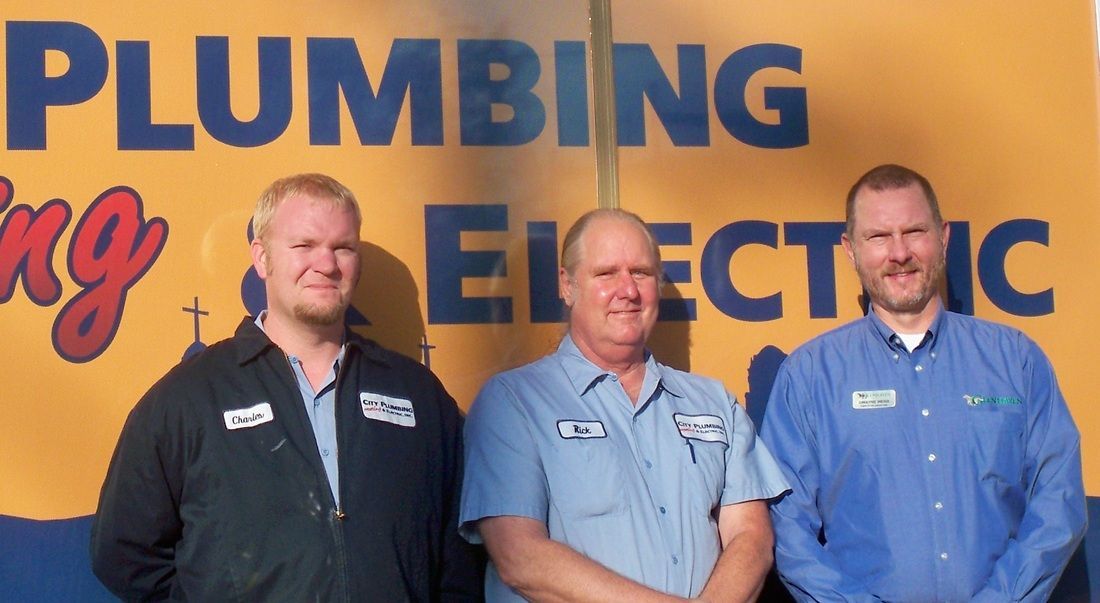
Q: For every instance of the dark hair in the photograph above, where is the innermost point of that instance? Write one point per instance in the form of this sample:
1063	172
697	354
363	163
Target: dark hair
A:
890	177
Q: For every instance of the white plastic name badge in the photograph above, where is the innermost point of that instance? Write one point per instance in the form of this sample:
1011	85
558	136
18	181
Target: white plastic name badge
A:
879	398
581	429
248	417
397	411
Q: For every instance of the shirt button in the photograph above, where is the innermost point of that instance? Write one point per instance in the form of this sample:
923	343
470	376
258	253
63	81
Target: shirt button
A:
932	458
675	560
648	465
943	556
614	377
938	506
896	356
324	452
662	510
924	412
918	368
932	354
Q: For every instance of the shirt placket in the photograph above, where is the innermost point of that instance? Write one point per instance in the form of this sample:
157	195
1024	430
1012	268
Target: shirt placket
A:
652	465
919	369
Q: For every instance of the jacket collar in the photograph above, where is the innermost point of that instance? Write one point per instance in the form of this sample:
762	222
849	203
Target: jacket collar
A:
253	342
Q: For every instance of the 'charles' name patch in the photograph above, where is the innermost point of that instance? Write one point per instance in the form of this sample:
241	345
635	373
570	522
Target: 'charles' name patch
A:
879	398
581	429
248	417
706	428
377	407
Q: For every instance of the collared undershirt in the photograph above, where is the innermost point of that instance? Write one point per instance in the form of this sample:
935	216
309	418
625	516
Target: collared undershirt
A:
320	407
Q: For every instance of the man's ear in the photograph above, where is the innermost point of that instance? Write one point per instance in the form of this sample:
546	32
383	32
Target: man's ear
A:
846	243
259	258
565	287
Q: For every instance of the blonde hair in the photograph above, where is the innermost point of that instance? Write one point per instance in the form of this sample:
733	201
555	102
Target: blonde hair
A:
570	249
319	186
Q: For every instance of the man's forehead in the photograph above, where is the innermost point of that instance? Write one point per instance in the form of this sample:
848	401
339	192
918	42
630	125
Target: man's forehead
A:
872	203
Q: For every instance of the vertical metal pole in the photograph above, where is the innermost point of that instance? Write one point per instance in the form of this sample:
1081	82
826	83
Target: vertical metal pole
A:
603	99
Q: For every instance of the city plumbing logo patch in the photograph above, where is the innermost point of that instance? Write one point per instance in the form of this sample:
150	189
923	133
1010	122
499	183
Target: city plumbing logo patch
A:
972	400
377	407
705	428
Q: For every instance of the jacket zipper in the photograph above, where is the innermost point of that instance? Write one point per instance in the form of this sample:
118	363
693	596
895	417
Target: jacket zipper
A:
338	511
338	514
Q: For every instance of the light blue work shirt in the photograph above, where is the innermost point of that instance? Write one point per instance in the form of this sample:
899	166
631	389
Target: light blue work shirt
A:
635	488
952	473
320	407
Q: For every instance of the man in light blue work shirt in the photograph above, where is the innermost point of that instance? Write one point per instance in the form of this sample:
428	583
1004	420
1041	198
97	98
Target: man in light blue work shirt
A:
598	474
931	454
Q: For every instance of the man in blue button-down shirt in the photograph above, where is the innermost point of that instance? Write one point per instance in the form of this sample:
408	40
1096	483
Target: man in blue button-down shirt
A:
931	454
599	474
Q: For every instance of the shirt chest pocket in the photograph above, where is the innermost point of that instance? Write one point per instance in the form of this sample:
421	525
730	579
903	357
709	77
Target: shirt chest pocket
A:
703	466
584	476
996	438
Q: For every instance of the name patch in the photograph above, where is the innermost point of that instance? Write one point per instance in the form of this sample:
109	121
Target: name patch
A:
248	417
879	398
397	411
705	428
581	429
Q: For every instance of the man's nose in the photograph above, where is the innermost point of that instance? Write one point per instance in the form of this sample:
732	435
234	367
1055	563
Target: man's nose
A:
324	261
899	251
627	287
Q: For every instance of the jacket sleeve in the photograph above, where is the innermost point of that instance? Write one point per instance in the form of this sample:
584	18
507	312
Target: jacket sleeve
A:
810	572
137	524
462	565
1055	518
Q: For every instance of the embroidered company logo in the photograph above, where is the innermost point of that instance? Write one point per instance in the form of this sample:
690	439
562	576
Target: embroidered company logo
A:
991	400
378	407
705	428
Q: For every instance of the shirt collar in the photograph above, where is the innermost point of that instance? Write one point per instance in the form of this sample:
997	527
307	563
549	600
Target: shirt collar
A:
892	341
583	374
254	341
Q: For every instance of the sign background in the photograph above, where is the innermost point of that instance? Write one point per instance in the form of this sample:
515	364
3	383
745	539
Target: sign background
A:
997	107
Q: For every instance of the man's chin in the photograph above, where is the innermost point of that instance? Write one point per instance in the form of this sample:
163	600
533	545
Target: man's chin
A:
319	316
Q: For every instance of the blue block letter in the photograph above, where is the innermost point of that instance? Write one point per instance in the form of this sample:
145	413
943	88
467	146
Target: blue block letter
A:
448	264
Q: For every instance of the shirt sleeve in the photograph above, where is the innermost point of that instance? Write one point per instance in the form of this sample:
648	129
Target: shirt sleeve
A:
136	527
504	474
1055	518
810	572
751	472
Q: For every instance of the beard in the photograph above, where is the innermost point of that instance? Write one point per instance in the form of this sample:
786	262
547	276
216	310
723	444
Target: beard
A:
910	301
319	315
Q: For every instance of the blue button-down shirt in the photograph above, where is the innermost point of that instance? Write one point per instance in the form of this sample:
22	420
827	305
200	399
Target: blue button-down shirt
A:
320	405
952	473
631	487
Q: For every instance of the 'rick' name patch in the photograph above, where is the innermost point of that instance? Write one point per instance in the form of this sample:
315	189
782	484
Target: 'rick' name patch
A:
397	411
705	428
879	398
581	429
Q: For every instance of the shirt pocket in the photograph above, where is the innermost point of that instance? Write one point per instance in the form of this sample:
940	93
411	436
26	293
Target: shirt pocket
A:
585	478
996	439
704	469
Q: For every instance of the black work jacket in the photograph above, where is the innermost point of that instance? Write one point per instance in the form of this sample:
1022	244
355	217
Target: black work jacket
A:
194	510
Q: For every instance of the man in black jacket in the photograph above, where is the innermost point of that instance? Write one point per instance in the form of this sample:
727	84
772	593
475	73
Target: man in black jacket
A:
295	461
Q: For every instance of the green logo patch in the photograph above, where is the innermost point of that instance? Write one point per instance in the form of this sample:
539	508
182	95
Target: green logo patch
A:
991	400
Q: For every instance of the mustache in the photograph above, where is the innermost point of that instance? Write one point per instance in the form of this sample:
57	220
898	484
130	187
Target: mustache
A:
907	267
